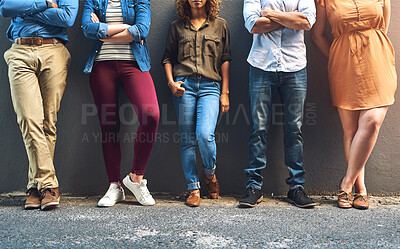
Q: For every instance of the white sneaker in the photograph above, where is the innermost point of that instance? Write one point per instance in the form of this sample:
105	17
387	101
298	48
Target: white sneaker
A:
114	194
140	191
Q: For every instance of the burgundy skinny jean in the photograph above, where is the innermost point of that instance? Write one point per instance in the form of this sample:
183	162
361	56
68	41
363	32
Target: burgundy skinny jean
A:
105	81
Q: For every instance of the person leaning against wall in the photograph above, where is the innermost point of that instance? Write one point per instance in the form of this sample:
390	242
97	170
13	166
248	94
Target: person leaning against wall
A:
362	79
197	55
120	57
37	68
277	67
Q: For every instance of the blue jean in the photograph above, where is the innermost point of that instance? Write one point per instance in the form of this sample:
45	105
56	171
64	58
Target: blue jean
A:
264	87
197	112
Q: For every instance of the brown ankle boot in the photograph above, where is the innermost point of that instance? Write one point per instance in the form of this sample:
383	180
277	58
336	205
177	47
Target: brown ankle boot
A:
212	186
194	198
33	200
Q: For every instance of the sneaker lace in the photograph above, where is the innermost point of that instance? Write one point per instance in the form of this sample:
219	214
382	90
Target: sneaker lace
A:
345	196
48	190
299	193
144	192
108	193
249	192
363	197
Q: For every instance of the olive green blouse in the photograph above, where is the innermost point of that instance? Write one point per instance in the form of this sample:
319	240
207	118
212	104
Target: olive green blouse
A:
198	52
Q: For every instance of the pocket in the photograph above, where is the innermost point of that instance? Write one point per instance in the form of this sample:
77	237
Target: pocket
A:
180	78
6	55
68	55
357	11
211	43
185	47
217	84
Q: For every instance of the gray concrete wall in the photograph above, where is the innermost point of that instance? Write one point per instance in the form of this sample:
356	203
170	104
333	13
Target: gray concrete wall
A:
79	162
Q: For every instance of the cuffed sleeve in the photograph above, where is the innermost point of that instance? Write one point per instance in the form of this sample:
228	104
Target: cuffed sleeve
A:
92	30
226	51
141	29
63	16
251	12
21	8
307	7
171	47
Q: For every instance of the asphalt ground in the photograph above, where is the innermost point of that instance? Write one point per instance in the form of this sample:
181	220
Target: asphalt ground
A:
78	223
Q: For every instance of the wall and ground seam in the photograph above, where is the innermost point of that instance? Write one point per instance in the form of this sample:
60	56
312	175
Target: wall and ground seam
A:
78	158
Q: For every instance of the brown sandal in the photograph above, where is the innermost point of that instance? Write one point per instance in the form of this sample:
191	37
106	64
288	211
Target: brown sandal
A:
360	201
345	199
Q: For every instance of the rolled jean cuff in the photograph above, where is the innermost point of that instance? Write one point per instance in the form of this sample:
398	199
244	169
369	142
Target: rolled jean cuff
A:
209	171
193	186
296	186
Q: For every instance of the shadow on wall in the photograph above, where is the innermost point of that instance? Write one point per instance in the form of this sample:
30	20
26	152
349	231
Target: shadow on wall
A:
79	163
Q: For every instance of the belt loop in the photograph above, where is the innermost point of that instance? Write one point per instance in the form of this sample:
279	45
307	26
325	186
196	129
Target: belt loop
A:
19	41
54	41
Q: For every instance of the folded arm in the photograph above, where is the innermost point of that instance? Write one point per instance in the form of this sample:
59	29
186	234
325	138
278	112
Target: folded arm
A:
63	16
92	29
21	8
253	21
140	30
293	20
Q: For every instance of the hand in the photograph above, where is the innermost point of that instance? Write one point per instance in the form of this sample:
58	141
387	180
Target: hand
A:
54	5
266	12
176	88
224	100
94	18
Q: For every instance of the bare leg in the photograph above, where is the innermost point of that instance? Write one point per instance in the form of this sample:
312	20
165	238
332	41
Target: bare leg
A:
349	131
359	185
364	140
136	178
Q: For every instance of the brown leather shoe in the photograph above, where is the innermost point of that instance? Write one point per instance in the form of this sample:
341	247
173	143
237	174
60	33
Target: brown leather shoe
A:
33	200
344	199
360	201
194	198
50	198
212	186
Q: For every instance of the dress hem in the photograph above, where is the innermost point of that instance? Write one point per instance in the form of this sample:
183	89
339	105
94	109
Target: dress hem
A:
361	108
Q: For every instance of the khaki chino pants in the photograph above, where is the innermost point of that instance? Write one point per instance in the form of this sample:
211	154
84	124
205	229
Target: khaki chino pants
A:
37	77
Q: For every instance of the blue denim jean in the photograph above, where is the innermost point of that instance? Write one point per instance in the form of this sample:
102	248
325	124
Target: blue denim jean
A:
264	87
197	111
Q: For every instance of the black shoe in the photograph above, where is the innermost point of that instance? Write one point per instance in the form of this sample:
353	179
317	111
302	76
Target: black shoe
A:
299	198
251	198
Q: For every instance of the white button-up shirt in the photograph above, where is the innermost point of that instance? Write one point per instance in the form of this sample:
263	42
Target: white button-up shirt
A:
283	49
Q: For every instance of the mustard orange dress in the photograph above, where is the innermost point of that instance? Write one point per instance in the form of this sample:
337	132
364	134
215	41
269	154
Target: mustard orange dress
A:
362	73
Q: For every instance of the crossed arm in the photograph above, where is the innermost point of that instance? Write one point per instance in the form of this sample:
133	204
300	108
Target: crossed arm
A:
273	19
61	15
259	21
117	33
120	33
